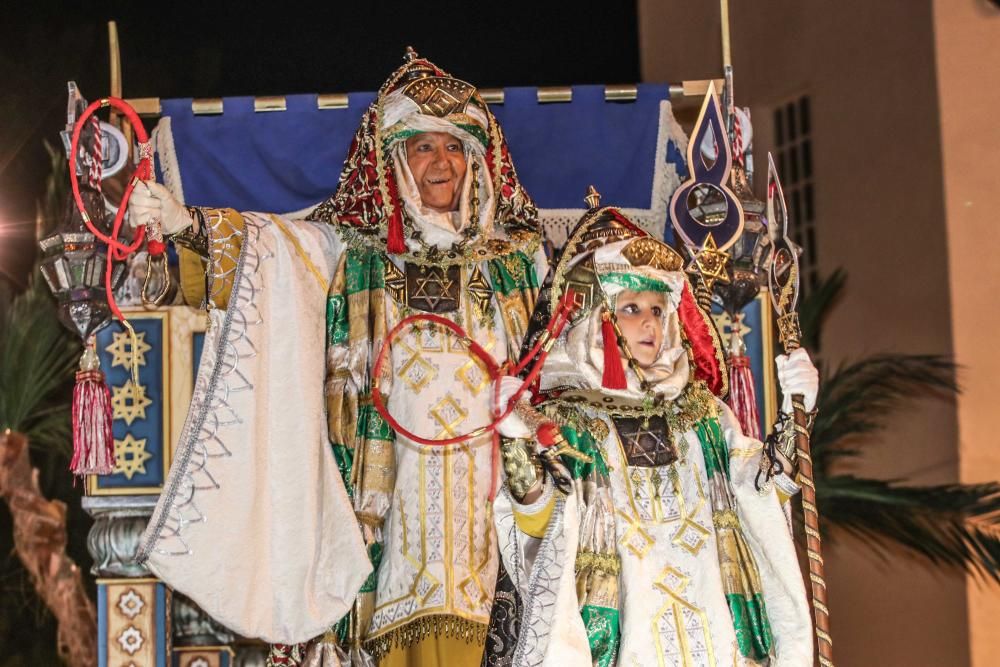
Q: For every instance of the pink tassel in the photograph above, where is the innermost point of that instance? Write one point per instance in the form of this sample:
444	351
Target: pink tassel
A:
742	397
93	444
614	374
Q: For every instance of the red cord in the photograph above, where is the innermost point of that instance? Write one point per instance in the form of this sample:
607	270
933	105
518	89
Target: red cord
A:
493	369
555	327
117	250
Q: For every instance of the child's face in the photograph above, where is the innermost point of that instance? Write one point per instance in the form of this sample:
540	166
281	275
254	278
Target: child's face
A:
640	319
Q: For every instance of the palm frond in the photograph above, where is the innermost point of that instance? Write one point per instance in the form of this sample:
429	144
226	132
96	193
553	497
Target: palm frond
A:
37	359
50	210
857	398
815	305
953	525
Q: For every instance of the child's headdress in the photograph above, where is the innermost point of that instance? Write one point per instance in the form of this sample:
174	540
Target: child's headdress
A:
607	253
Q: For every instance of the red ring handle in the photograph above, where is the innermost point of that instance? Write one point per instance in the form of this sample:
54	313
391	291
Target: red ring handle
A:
554	328
143	171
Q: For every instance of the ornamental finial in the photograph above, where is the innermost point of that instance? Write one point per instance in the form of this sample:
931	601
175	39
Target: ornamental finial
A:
593	197
410	55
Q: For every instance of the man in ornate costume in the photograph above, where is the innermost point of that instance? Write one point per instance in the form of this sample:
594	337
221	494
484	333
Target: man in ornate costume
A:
429	216
653	541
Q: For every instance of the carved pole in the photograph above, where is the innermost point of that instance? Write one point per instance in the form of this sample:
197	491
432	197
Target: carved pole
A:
784	279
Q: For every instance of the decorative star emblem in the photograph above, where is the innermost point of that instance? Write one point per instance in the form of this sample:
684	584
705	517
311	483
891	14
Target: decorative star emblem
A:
710	263
647	443
435	288
129	402
130	458
724	323
130	603
120	349
130	640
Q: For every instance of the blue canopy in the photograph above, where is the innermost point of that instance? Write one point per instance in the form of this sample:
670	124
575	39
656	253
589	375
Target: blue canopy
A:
287	161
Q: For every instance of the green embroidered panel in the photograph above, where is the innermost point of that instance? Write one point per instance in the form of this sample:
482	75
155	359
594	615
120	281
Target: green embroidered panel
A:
713	446
753	631
636	283
583	442
365	271
344	456
375	556
371	425
513	272
336	320
603	633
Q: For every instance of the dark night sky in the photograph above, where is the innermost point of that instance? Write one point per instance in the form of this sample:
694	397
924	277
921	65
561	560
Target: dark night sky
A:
217	49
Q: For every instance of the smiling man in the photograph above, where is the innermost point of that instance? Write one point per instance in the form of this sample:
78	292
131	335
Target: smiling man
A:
436	161
429	216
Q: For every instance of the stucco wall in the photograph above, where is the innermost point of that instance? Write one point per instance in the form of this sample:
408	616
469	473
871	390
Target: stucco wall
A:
967	41
868	68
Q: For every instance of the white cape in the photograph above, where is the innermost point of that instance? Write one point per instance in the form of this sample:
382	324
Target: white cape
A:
254	523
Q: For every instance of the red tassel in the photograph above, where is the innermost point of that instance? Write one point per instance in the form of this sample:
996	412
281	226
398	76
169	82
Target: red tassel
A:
93	444
742	396
395	244
548	434
614	374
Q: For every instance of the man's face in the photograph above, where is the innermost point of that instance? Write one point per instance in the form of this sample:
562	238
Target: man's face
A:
640	319
437	162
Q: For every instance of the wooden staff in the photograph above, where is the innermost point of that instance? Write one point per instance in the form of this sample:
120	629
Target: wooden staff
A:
784	279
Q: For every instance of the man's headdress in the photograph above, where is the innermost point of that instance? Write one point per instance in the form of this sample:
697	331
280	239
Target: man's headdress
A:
420	97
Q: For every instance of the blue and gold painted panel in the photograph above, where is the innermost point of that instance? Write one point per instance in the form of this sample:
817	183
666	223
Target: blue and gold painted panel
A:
141	412
203	656
148	416
756	323
132	623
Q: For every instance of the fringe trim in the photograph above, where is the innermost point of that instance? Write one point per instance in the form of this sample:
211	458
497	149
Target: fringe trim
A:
437	625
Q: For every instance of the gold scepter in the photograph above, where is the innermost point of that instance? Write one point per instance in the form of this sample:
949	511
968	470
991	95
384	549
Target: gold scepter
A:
783	276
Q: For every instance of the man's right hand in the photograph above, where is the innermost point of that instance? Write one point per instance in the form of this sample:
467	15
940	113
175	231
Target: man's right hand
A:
151	203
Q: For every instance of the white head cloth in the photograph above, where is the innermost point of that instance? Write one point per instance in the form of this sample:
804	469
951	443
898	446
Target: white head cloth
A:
399	112
577	358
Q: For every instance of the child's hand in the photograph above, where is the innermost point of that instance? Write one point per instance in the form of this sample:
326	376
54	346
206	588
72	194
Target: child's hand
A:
797	375
512	426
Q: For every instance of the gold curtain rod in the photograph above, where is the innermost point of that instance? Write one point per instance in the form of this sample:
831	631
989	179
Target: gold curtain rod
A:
150	106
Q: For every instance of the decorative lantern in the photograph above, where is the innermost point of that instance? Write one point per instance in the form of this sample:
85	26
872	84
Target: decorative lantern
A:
74	265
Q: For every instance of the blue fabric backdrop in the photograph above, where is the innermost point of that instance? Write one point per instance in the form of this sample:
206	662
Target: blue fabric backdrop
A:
288	160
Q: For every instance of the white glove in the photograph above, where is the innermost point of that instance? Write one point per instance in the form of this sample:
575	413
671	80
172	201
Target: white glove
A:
152	203
797	375
512	426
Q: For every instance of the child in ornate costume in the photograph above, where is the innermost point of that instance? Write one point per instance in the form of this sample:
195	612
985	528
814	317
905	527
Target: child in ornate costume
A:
430	217
648	541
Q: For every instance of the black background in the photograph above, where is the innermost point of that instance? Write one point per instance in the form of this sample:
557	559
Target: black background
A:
220	49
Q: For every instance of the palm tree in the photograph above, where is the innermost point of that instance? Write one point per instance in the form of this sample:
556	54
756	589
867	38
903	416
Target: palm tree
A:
46	528
946	525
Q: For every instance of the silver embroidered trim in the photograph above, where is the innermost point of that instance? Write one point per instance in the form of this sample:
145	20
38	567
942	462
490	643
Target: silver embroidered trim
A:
210	410
221	248
543	590
505	524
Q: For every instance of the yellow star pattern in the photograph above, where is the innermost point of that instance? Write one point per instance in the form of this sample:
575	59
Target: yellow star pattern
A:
724	323
131	456
129	402
120	349
710	263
